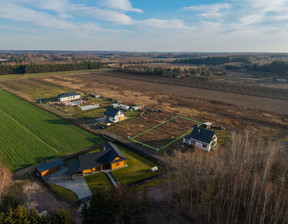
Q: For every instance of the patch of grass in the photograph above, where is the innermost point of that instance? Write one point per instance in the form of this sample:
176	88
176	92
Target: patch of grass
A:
29	135
223	136
98	181
152	183
65	193
132	114
8	77
78	72
138	168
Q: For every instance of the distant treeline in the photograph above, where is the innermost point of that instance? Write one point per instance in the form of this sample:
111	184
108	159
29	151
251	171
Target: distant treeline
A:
216	60
37	68
276	67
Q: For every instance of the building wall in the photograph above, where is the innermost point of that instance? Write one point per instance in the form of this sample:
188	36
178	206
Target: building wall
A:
118	165
69	98
48	172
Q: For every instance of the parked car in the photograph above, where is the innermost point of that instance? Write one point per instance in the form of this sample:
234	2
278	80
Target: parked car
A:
101	126
170	153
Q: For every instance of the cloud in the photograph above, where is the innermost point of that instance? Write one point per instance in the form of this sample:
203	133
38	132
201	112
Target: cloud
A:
123	5
214	11
16	12
174	24
94	12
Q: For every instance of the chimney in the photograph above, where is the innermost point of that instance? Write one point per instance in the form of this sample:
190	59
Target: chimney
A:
104	147
199	131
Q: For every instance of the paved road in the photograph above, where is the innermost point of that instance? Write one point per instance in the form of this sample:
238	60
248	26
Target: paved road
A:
77	185
112	180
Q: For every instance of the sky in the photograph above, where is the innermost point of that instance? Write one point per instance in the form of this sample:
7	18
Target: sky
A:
145	25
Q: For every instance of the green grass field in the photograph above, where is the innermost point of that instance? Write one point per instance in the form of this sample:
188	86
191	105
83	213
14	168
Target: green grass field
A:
65	193
98	181
29	135
138	168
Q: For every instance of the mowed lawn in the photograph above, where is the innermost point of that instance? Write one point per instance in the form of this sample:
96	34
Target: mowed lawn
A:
138	168
29	135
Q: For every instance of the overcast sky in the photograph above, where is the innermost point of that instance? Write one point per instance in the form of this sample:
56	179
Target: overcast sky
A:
145	25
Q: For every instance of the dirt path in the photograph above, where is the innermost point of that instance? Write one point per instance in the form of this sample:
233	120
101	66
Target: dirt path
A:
259	103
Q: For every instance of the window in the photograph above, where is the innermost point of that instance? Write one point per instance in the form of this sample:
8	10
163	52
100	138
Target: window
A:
204	145
117	164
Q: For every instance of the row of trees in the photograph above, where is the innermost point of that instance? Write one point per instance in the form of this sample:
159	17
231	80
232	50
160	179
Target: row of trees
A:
37	68
22	215
119	206
166	72
246	60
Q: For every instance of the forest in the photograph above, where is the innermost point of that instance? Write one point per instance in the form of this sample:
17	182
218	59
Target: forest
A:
37	68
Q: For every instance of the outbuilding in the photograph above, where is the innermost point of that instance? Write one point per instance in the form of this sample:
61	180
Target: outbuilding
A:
49	167
68	96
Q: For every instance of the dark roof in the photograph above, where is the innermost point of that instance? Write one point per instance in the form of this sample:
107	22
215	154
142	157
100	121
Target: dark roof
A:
50	165
73	167
68	94
111	112
202	135
109	152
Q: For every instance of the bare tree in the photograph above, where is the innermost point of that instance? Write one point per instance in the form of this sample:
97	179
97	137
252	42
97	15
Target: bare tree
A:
5	179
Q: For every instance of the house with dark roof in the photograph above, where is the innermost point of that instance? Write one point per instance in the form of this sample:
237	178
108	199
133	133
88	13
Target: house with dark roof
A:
49	167
114	115
68	96
201	138
109	158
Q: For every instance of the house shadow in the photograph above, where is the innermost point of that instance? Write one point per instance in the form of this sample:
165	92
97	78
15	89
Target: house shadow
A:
48	99
45	158
59	122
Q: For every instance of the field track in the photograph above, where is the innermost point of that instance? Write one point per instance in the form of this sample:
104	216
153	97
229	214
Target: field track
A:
253	102
29	135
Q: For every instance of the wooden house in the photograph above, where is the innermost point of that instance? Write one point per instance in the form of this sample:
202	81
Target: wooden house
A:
114	115
201	138
68	96
109	158
49	167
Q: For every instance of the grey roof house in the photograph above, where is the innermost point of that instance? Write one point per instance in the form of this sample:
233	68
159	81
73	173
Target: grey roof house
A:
201	138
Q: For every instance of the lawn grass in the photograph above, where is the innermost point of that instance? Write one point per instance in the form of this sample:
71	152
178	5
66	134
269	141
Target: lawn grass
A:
98	181
65	193
29	135
138	168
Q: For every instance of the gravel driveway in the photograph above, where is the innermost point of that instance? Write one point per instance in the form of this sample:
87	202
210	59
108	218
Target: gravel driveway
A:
77	185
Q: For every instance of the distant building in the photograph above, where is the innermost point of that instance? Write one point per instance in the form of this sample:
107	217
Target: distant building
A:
109	158
123	107
49	167
68	96
201	138
114	115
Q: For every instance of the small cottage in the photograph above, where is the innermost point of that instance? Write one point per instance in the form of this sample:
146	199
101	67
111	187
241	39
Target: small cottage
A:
114	115
68	96
109	158
49	167
201	138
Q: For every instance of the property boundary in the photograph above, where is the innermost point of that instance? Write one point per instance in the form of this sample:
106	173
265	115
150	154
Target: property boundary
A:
163	147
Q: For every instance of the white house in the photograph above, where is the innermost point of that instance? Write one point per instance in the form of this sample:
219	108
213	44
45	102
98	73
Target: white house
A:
114	115
201	138
68	96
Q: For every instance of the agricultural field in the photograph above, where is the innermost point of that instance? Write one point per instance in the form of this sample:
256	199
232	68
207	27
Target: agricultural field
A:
30	135
165	133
